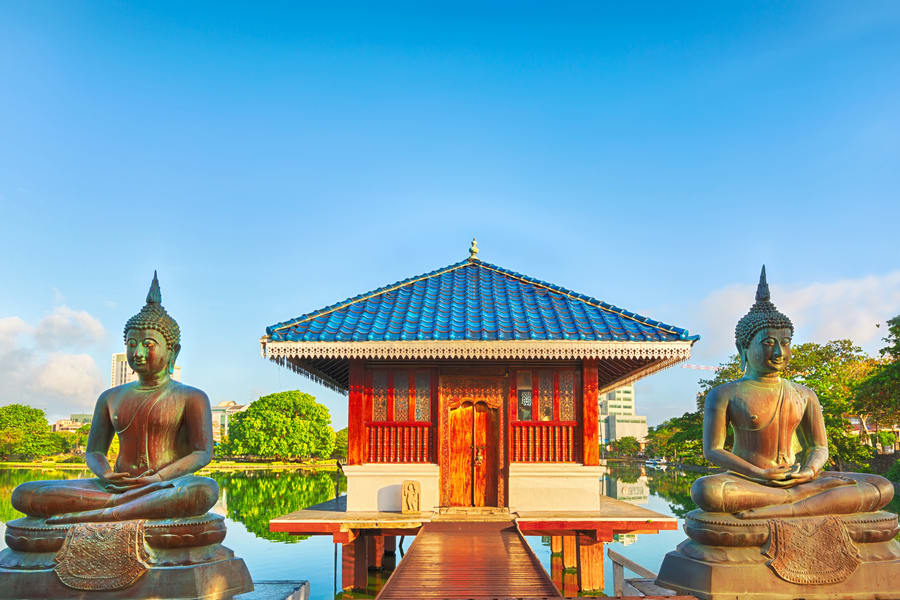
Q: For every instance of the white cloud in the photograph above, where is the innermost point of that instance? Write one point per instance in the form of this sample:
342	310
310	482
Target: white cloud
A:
846	308
10	329
73	377
34	370
65	327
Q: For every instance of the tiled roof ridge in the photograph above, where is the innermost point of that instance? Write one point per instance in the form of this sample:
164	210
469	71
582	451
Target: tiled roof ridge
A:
604	306
587	299
366	295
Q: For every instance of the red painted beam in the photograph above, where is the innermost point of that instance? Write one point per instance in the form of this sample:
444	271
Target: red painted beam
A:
590	427
356	433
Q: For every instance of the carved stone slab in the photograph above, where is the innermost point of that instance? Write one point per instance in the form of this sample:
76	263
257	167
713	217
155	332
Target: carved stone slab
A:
811	551
410	496
102	556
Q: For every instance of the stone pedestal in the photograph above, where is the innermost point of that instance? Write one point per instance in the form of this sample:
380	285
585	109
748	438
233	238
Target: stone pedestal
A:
171	558
814	558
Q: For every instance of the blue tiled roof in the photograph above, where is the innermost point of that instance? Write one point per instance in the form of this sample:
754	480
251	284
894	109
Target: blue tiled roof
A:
473	300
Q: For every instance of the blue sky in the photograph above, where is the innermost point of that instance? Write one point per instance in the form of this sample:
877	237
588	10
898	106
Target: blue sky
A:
272	160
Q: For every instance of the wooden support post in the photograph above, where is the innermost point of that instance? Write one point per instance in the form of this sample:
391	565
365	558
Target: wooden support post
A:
590	445
556	570
356	433
375	551
590	564
570	584
354	565
556	545
570	552
390	553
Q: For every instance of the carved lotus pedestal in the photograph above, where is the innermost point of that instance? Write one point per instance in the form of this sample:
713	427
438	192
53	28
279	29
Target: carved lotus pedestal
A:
170	558
841	556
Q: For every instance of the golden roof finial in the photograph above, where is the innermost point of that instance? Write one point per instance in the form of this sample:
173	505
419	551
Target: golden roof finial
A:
473	250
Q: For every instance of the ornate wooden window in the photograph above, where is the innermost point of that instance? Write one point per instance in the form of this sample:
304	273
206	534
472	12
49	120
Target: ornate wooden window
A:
422	395
398	428
546	428
400	395
524	395
546	394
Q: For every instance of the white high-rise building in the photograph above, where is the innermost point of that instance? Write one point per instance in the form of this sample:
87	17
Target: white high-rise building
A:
617	418
121	373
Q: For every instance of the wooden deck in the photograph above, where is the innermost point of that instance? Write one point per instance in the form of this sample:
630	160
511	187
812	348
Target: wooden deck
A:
469	560
613	517
332	518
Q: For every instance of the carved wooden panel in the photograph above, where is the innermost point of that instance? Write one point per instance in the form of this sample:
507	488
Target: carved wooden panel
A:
461	455
481	389
454	391
486	469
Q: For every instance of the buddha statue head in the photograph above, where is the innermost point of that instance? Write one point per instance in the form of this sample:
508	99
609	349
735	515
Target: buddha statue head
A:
152	337
762	336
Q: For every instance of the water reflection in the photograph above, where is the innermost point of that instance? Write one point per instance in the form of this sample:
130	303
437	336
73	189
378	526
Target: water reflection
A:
672	484
10	478
255	497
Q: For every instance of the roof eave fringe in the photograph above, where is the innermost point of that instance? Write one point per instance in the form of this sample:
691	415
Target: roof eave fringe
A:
310	372
487	350
650	369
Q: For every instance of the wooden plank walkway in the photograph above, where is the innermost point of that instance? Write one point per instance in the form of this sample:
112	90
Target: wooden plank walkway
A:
471	560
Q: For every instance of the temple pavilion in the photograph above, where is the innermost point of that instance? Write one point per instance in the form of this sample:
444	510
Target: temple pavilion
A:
476	381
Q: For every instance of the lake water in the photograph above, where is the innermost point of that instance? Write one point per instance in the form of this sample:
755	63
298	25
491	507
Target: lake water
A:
249	499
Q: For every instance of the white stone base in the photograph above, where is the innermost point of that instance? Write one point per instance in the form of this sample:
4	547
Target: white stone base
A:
376	487
554	486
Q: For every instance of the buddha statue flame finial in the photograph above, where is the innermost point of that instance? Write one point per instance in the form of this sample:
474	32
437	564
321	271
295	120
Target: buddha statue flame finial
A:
473	250
762	314
154	316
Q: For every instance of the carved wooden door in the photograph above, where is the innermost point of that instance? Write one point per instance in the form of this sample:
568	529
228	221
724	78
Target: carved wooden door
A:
473	455
484	449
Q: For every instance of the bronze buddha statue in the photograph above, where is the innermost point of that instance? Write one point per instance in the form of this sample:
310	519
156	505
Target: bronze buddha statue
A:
774	525
780	445
140	529
165	435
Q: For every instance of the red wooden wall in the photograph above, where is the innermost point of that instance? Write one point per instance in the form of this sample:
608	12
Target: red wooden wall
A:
532	440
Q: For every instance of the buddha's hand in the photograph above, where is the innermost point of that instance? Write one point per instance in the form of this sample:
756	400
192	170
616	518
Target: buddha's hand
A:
803	475
777	475
111	478
129	482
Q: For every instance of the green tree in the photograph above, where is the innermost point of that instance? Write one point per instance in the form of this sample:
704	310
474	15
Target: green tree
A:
894	472
832	371
679	439
878	394
80	438
60	442
886	439
340	445
627	446
24	432
284	425
254	498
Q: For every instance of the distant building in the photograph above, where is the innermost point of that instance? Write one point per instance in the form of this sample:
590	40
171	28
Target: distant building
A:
617	418
121	373
73	423
66	425
221	414
636	493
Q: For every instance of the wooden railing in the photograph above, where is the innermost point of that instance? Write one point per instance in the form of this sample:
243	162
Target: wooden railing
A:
544	441
398	443
643	586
